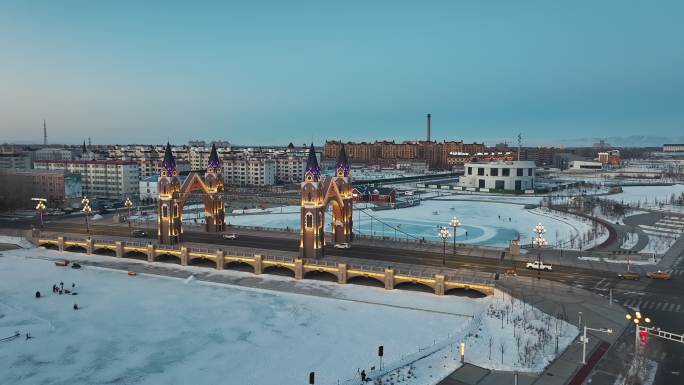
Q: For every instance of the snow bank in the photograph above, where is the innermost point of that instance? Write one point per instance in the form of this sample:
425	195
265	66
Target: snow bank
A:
19	241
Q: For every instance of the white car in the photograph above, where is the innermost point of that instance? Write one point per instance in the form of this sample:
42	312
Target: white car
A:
230	236
342	246
538	265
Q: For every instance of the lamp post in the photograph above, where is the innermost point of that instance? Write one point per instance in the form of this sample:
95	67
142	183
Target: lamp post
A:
637	318
539	242
444	234
584	341
128	204
86	210
455	222
40	207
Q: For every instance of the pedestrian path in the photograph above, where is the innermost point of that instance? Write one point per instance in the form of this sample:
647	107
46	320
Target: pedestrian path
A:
650	304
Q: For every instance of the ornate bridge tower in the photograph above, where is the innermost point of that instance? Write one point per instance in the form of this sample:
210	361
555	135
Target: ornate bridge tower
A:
317	193
214	211
169	220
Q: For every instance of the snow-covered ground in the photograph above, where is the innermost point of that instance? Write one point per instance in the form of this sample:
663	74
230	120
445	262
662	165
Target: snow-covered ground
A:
154	329
649	196
486	223
629	241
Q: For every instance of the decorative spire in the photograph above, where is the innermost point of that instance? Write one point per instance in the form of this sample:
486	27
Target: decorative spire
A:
312	163
214	161
169	162
343	162
84	149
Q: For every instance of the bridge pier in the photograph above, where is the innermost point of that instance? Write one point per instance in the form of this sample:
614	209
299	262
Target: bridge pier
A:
60	243
90	245
439	284
151	252
389	279
119	249
220	259
258	264
299	268
184	256
341	273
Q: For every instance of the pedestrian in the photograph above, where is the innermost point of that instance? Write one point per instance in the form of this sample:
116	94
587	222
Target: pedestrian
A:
60	292
73	285
37	294
76	306
499	217
28	336
363	375
509	219
61	284
54	288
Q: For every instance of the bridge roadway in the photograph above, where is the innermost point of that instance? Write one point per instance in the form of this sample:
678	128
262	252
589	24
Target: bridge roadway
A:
574	276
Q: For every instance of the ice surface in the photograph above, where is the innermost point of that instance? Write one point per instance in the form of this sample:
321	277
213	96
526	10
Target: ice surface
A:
153	329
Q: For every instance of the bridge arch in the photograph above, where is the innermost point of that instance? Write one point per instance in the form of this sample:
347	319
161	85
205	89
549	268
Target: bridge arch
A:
49	245
365	281
279	270
135	254
104	251
168	258
464	292
239	266
76	248
202	262
173	196
321	275
414	286
317	193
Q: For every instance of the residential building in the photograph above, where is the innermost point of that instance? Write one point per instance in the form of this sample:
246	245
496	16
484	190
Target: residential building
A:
149	190
611	157
249	172
673	147
107	180
52	154
15	161
57	187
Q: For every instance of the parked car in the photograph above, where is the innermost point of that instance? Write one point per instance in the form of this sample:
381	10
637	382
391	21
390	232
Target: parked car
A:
230	236
629	276
75	265
139	233
659	275
62	263
342	246
538	265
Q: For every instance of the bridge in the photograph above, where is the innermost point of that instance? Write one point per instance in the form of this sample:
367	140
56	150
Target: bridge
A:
439	282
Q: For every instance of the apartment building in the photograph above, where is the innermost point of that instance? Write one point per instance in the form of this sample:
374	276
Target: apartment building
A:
15	161
107	180
57	187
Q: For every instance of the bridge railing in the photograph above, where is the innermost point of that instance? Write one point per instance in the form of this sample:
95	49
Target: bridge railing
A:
278	258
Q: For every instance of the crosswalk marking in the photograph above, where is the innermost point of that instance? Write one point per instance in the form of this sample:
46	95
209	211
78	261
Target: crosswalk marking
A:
645	305
659	305
669	308
678	307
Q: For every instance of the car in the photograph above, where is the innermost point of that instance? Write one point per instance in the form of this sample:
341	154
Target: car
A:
629	276
139	233
75	265
342	246
230	236
538	265
658	275
62	263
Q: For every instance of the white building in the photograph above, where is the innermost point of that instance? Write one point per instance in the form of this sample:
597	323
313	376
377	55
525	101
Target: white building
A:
249	172
290	169
584	165
500	175
52	154
109	180
148	188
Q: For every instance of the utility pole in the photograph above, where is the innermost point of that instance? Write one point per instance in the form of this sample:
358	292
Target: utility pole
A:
44	133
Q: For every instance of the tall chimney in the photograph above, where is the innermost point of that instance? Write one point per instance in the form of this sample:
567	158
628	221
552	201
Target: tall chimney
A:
429	118
44	133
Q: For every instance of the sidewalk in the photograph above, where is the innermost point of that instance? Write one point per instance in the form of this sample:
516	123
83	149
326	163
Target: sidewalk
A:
561	301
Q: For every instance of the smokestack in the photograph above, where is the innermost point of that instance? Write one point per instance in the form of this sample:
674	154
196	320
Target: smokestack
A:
44	133
429	118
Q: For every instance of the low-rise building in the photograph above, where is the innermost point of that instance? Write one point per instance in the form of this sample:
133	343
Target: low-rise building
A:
611	157
673	147
500	175
584	165
52	154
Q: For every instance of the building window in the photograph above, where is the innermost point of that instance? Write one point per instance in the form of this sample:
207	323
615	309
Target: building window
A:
494	172
165	211
506	171
529	172
309	220
519	171
470	171
480	171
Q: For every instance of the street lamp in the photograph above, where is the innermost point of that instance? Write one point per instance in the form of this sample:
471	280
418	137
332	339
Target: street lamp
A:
128	204
40	207
86	210
455	222
539	242
444	234
584	341
637	318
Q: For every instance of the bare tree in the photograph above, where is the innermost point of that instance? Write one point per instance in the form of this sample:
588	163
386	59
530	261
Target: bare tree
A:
502	348
491	342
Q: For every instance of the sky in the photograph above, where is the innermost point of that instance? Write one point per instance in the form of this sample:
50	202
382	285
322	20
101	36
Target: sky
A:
274	72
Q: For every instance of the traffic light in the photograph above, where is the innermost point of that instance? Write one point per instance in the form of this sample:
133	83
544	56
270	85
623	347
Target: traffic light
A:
643	335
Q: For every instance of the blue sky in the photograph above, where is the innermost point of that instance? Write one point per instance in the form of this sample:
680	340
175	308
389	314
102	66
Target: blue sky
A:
260	72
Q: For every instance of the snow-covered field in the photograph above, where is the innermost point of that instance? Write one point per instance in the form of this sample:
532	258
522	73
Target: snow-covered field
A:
647	196
153	329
